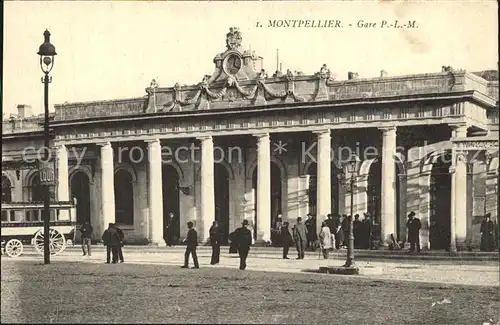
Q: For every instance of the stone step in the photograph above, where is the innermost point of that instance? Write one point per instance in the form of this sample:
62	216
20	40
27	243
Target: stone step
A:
276	251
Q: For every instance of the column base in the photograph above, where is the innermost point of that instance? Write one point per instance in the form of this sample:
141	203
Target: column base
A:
261	243
339	270
157	243
462	246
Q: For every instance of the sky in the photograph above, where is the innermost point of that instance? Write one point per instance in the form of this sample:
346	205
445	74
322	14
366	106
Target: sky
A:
111	50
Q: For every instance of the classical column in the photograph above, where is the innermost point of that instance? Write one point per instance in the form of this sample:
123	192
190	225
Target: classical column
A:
458	130
323	179
107	185
458	220
207	187
263	189
155	193
388	190
62	180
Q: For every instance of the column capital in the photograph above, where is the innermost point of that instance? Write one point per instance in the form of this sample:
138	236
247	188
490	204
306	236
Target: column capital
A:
152	141
387	129
459	125
60	146
322	132
205	138
261	136
461	156
104	144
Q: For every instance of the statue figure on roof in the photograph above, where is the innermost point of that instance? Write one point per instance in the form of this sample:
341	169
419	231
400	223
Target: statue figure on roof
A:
447	68
233	38
262	75
324	72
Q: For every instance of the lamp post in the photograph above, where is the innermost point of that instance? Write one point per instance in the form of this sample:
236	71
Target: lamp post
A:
351	170
47	52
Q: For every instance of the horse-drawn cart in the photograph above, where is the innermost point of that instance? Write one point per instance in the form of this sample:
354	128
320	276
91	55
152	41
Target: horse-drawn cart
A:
22	224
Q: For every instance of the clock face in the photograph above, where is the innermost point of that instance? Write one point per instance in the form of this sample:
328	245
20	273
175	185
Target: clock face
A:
233	64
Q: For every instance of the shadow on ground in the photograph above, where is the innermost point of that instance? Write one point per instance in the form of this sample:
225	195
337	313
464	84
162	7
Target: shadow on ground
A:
66	292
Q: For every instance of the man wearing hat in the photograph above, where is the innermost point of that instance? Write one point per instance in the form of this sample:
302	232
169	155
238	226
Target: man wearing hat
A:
366	231
413	227
243	240
487	235
111	240
191	242
300	237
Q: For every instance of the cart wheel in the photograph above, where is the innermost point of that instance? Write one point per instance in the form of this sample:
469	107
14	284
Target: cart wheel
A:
57	242
14	248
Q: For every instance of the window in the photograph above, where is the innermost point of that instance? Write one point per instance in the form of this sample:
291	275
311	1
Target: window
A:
124	198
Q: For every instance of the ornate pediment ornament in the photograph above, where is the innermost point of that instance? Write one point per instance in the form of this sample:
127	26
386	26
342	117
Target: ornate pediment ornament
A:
233	38
290	86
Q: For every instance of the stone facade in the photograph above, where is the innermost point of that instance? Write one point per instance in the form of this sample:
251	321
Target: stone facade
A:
301	130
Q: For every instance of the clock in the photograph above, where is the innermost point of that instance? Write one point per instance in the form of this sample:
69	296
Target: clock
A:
232	64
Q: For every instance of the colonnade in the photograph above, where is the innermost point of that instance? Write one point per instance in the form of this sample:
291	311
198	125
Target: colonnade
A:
207	216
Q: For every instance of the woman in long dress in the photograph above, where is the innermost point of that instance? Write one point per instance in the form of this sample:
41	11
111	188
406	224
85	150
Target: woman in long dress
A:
325	240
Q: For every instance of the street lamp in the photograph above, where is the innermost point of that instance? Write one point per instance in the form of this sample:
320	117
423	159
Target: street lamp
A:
47	52
349	182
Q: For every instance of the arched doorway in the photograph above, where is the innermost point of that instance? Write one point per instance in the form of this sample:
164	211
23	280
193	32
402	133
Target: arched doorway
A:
6	195
440	203
80	189
221	184
374	190
6	189
36	190
312	171
170	186
124	198
275	195
36	195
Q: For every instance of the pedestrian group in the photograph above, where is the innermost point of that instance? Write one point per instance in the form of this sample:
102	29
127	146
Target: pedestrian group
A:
333	234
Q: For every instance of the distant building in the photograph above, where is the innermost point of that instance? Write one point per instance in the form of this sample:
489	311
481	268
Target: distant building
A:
426	143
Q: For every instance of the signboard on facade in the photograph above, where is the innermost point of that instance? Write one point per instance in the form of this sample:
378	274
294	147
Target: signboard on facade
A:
46	173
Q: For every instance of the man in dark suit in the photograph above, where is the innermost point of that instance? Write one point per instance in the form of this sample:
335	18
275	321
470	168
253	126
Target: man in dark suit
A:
119	248
111	240
215	241
356	227
367	231
243	239
300	237
413	225
86	230
330	223
192	242
287	239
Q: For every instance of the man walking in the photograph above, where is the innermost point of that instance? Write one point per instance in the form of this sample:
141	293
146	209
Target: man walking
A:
215	241
243	239
191	241
300	237
287	239
111	240
119	248
413	225
86	230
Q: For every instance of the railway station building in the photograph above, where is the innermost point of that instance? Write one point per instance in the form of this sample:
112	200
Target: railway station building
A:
246	143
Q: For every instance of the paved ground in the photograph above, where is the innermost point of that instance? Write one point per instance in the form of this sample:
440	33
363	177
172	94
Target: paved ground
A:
481	273
91	292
